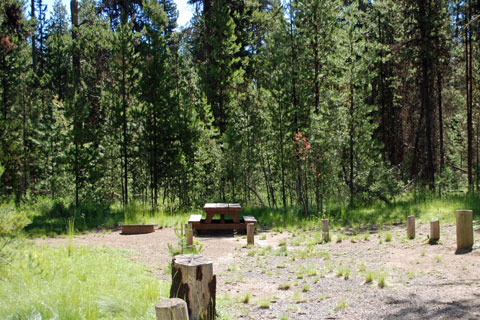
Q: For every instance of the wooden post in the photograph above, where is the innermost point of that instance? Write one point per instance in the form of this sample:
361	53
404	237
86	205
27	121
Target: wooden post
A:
411	227
250	234
189	234
193	281
464	229
326	235
434	231
171	309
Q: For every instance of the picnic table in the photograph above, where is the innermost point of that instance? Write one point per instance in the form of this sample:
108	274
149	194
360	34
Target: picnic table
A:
222	209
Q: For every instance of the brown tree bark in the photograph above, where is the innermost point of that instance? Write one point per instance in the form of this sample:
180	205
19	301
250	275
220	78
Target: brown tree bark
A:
193	281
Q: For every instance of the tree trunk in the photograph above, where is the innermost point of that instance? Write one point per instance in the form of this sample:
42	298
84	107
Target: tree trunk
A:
468	87
193	281
440	122
34	45
76	80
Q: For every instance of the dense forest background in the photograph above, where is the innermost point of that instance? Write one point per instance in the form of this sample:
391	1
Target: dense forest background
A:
283	104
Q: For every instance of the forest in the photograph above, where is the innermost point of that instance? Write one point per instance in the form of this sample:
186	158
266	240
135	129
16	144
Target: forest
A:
303	104
294	116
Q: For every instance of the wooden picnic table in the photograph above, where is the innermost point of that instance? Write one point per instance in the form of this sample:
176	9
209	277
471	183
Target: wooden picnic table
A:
222	209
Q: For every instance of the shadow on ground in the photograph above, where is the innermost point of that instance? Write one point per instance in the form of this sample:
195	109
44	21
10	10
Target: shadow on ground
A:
416	308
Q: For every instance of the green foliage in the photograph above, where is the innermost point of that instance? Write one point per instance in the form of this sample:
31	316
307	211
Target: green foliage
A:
321	108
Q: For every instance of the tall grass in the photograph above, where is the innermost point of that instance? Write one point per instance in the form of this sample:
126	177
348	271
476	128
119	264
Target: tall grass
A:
50	217
77	283
425	209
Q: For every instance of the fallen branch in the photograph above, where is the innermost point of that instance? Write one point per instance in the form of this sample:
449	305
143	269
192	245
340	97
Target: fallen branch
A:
455	167
256	193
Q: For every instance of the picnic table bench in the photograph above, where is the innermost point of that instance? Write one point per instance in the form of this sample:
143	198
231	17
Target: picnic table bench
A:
222	209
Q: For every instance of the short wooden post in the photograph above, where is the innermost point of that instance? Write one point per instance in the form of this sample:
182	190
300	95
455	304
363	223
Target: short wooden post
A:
434	231
189	234
193	281
411	227
464	229
171	309
250	233
326	235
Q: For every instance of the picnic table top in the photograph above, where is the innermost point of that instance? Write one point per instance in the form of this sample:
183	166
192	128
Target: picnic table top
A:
221	205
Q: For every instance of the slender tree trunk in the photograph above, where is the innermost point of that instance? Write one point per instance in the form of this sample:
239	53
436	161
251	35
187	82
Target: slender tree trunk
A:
477	176
34	45
316	63
282	160
440	122
426	104
124	125
468	84
440	127
351	145
76	80
295	105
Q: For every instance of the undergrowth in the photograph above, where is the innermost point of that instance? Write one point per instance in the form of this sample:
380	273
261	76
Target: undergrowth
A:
424	209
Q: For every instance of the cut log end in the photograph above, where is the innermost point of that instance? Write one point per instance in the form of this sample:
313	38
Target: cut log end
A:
171	309
191	260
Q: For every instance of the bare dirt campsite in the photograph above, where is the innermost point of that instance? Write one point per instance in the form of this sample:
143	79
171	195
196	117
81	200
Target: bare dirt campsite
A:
374	273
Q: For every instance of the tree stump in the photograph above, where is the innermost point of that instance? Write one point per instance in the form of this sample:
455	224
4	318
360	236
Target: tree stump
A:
189	234
171	309
464	229
193	281
325	233
434	231
250	234
411	227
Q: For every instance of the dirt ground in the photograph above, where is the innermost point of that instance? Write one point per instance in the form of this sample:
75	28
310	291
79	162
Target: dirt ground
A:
292	275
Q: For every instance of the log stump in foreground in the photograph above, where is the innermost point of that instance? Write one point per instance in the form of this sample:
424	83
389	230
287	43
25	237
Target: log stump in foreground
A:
193	281
464	229
171	309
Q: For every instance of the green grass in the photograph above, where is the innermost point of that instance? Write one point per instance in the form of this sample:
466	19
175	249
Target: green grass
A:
341	305
368	277
381	281
388	237
77	283
50	217
246	298
425	208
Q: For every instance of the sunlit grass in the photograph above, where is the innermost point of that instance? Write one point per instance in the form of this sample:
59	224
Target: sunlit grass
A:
425	209
77	283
